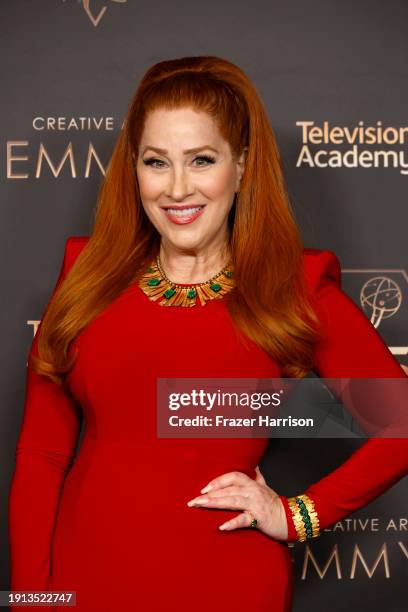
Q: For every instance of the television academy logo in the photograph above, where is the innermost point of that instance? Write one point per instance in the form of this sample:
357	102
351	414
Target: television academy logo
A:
382	295
330	145
96	18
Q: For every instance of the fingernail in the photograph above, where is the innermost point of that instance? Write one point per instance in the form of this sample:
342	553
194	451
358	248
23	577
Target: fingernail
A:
223	526
195	501
206	489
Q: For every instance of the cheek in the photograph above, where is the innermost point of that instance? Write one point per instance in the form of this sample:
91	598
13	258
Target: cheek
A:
218	185
149	186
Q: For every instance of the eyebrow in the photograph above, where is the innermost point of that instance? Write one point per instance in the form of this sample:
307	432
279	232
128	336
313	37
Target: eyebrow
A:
186	151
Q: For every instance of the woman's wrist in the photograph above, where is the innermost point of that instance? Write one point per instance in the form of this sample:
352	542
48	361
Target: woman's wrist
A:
302	518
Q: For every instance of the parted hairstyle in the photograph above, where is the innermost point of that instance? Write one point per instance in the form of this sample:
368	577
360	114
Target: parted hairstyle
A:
270	302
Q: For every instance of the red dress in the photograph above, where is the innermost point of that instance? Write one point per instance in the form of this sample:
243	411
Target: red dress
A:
111	523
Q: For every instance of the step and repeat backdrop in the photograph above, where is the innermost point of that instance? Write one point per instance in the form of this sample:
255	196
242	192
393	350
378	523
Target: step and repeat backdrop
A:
334	80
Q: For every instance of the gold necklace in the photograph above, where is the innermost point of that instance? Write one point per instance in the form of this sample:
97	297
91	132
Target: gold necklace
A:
155	285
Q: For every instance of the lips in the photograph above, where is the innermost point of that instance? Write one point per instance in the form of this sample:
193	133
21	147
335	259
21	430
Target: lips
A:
182	206
183	214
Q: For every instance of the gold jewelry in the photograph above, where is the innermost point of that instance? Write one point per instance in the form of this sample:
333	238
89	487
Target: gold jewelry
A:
305	517
155	285
254	521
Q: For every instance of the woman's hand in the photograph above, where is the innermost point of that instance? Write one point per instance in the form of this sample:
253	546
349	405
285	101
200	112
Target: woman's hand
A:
237	491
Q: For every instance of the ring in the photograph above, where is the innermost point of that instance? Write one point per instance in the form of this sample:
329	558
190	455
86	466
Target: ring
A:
254	522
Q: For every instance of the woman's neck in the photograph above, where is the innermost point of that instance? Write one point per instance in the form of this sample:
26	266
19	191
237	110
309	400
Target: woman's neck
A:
183	266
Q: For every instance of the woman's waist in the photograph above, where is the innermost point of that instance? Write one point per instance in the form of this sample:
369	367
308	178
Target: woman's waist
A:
168	454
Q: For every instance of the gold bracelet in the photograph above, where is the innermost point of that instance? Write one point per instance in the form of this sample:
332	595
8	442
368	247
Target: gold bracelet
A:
304	516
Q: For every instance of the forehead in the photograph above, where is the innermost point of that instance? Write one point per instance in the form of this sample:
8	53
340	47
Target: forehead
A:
181	124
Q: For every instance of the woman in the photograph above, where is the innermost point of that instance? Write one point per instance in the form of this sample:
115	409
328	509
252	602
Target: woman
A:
194	268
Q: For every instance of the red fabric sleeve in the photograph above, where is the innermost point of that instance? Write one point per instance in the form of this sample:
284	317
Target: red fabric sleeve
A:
44	453
350	348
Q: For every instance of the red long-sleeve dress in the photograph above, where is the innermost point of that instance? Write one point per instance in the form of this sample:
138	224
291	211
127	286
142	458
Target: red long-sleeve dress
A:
111	522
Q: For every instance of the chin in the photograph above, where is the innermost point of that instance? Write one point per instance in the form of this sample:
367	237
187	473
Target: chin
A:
186	245
184	238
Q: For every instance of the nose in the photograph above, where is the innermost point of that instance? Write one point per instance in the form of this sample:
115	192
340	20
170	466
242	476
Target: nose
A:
179	184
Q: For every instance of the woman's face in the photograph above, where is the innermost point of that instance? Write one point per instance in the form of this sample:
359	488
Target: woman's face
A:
187	178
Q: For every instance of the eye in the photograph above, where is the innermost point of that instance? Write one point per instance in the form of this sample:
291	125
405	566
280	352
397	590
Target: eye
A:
207	158
158	163
151	161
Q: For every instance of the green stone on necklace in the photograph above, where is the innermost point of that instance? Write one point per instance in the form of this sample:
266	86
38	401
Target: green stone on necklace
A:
153	282
167	294
191	293
215	286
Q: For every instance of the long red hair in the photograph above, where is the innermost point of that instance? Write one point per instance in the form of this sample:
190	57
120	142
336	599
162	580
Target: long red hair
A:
270	302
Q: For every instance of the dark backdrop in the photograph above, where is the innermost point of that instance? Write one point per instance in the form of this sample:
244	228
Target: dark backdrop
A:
317	61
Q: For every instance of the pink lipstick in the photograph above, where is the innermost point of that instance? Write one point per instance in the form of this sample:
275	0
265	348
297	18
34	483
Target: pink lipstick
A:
181	215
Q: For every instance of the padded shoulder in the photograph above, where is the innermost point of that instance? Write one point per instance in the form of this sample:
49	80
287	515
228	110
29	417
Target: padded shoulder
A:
321	266
73	247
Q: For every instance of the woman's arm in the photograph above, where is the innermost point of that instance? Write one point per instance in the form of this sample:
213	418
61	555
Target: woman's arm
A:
44	453
351	348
